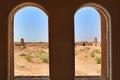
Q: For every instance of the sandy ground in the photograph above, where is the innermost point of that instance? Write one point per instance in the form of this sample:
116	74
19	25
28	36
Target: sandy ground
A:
85	64
26	68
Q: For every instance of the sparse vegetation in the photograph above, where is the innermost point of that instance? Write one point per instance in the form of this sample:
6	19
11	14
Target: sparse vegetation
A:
84	49
22	54
28	58
97	51
37	56
41	54
44	59
98	60
92	54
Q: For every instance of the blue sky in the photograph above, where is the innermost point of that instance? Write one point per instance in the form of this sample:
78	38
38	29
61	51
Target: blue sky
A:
87	24
31	24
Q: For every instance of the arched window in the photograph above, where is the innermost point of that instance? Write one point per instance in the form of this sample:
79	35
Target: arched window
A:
29	54
88	32
92	60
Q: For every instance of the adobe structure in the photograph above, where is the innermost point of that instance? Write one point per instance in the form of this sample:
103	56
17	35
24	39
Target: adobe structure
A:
22	43
61	35
85	43
96	43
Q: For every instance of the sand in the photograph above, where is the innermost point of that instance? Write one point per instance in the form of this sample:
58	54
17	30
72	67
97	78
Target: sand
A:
85	65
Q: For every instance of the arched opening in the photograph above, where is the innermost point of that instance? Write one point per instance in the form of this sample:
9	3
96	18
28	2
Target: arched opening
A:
87	30
28	42
92	26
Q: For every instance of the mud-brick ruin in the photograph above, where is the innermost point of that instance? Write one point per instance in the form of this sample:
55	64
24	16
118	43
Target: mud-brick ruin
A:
21	43
85	43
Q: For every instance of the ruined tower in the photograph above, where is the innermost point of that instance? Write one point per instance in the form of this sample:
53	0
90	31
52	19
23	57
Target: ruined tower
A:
95	40
22	43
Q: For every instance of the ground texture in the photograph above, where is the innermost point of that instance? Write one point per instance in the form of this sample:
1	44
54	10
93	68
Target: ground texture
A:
32	60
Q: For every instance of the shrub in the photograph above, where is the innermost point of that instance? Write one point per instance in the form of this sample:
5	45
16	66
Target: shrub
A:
92	54
22	54
28	58
98	60
44	59
42	52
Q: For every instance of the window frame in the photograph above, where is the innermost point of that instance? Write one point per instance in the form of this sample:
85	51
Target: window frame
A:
11	38
106	66
105	15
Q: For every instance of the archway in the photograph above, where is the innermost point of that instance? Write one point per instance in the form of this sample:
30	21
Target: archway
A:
28	41
105	42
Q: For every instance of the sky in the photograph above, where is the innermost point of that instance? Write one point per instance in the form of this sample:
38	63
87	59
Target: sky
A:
87	24
31	23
